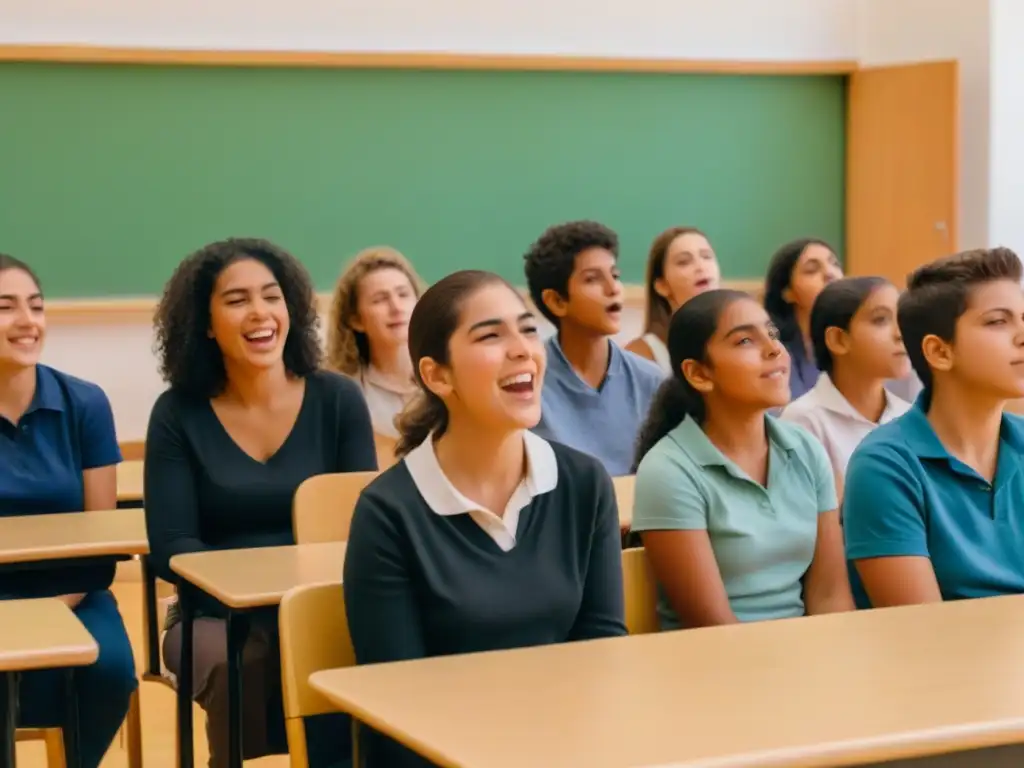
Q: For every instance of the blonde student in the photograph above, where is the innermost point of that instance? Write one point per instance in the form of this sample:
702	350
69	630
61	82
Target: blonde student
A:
857	347
681	264
736	509
368	335
484	536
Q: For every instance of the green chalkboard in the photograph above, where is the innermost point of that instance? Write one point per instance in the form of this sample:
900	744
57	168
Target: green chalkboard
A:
109	175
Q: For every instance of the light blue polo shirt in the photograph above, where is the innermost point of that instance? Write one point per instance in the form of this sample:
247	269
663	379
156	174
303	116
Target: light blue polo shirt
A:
68	428
907	496
763	537
602	422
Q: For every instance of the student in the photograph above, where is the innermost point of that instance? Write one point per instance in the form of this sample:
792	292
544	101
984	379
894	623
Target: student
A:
933	505
737	510
485	536
369	329
681	264
798	272
59	453
595	394
248	416
857	347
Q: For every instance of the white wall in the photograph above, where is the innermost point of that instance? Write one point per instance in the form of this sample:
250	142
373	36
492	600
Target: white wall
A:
1006	223
903	31
698	29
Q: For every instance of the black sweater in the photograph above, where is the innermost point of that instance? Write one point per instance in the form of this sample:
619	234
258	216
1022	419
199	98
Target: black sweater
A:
419	584
203	492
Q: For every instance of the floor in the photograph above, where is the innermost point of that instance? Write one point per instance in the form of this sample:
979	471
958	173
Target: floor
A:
158	703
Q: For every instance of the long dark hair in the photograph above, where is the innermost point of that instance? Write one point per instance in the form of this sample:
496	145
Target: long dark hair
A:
778	279
433	321
689	332
834	308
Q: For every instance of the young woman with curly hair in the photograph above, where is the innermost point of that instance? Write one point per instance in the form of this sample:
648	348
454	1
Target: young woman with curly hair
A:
248	416
369	331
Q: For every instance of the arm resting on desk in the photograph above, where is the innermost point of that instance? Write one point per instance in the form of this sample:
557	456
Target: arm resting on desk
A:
602	612
380	602
172	508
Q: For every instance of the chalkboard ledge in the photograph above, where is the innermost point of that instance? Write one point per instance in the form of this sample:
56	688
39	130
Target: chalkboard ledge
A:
139	310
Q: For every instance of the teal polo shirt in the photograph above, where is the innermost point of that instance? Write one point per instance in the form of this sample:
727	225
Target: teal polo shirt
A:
763	537
907	496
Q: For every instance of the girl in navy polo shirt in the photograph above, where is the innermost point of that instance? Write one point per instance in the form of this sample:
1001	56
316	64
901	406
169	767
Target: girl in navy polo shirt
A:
59	453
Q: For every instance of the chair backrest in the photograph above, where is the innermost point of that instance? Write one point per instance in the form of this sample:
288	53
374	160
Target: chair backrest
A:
641	592
323	506
314	636
624	489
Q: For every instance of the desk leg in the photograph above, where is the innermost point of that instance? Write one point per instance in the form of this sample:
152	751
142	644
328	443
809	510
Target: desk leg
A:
238	631
149	606
184	682
8	717
72	748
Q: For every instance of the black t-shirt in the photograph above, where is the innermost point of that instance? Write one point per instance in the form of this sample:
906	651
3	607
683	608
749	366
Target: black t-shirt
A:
203	492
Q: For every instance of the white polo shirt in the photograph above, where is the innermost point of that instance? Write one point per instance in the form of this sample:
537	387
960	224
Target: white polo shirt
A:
827	415
445	499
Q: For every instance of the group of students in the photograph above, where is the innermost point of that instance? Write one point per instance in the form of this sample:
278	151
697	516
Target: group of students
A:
775	467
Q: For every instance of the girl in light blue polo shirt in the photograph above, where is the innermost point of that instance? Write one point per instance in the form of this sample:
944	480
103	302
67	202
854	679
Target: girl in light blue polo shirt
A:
736	509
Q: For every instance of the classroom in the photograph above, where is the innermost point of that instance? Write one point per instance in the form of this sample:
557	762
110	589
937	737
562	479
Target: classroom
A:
708	316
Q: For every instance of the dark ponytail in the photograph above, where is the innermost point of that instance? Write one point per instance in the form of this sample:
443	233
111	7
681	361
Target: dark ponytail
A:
689	332
434	320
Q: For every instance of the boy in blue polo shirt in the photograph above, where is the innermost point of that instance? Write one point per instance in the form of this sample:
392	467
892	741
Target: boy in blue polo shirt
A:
595	394
934	505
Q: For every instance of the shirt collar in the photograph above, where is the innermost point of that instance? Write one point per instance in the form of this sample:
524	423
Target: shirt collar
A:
692	440
375	378
616	363
48	395
445	499
828	397
917	431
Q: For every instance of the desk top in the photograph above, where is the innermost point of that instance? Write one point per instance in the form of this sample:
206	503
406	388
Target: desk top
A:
42	634
832	690
252	578
129	481
32	538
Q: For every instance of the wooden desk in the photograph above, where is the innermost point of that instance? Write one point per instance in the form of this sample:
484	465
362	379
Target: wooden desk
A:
36	538
846	689
242	580
129	482
38	634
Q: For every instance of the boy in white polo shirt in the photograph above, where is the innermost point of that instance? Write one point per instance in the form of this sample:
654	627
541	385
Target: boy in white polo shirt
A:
857	348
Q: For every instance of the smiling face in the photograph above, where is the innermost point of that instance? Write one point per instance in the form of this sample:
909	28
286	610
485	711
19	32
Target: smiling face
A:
386	298
816	268
496	363
248	316
987	352
594	295
22	320
747	367
873	345
689	268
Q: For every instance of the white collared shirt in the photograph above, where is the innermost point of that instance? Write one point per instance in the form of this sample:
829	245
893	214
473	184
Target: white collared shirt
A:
446	500
826	414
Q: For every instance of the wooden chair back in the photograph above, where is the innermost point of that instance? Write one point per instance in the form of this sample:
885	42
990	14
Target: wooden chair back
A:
323	506
641	592
314	636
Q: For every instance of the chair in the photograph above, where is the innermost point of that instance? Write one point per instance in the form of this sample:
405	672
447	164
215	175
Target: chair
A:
314	636
323	506
53	738
641	592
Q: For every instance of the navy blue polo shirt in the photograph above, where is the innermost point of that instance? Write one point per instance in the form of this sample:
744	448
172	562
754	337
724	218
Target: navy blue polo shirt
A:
67	428
907	496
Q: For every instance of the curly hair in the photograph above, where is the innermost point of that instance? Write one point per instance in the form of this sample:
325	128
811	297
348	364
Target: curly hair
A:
190	361
348	350
551	260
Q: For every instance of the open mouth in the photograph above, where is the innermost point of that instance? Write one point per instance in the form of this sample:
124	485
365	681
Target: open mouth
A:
703	284
262	337
614	309
518	384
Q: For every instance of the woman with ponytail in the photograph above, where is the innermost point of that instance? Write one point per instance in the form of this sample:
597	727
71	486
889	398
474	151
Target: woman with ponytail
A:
737	510
484	536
